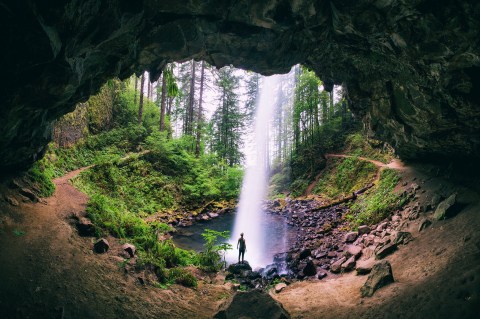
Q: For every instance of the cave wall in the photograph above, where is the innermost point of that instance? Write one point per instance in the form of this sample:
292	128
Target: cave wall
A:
411	67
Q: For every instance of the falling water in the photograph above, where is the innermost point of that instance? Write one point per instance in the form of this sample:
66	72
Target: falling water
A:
250	217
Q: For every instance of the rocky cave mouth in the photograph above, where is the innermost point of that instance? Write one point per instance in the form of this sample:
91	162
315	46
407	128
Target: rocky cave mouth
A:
410	68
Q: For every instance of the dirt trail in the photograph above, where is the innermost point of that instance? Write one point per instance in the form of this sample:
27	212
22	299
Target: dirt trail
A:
48	271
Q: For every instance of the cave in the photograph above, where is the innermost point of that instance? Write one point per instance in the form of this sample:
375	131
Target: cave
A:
410	67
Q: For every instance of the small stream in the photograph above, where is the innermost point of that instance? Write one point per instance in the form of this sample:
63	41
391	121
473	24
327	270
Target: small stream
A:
276	236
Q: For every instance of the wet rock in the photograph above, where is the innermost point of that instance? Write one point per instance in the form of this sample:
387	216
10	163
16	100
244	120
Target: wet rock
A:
352	250
279	287
424	224
337	266
85	227
385	250
364	267
239	267
364	229
212	215
305	253
350	237
252	304
380	276
101	246
349	264
129	249
309	269
445	207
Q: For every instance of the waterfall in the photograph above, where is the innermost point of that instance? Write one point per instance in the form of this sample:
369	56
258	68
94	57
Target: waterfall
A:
250	217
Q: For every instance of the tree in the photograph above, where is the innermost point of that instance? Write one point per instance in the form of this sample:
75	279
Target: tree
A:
140	106
200	111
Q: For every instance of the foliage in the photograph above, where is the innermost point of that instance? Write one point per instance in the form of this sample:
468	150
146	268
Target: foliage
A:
211	258
344	176
360	145
39	178
379	202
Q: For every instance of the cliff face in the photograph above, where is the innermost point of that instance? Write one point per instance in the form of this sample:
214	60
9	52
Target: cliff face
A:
411	67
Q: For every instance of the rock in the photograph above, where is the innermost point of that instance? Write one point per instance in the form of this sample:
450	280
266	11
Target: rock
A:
321	274
349	264
445	207
403	238
11	200
352	250
424	224
279	287
239	267
364	229
305	253
309	269
350	237
29	194
252	304
332	254
381	275
364	267
101	246
212	215
385	250
85	227
382	226
129	249
368	252
337	266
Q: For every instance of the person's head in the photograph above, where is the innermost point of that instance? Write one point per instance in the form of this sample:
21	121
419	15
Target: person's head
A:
241	235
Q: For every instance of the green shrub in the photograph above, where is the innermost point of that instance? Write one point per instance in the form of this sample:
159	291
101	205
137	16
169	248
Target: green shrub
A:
182	277
39	177
211	258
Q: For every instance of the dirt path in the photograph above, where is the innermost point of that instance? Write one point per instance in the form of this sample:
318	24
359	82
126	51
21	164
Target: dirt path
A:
48	271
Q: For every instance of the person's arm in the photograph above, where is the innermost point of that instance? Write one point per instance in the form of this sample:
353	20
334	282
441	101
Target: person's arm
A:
238	242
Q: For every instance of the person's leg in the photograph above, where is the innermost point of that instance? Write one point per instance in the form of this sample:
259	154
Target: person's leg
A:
243	255
239	254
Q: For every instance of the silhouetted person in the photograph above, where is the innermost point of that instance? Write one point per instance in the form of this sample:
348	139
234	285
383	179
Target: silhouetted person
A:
243	247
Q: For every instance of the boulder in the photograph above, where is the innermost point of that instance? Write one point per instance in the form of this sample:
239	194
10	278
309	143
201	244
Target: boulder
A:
279	287
349	264
85	227
445	207
321	274
212	215
352	250
424	224
350	237
252	304
364	267
309	269
239	267
381	275
129	249
337	266
101	246
29	194
403	238
304	253
364	229
11	200
385	250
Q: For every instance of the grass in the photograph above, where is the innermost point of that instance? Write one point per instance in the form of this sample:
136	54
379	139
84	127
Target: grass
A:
378	203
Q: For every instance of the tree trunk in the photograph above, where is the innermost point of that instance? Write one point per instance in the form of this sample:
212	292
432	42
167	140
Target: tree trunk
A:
200	111
191	103
162	103
136	89
149	87
140	106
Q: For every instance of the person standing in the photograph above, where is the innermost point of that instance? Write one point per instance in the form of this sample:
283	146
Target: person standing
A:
242	247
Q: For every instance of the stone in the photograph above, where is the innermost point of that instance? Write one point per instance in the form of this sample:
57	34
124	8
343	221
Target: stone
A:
101	246
321	274
279	287
385	250
239	267
350	237
424	224
337	266
309	269
129	249
402	238
212	215
364	229
252	304
11	200
380	276
305	253
85	227
29	194
364	267
332	254
445	207
352	250
349	264
381	226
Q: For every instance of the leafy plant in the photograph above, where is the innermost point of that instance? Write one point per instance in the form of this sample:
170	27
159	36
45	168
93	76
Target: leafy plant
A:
211	258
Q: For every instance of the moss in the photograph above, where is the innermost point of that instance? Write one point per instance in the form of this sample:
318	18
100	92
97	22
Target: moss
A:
39	177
